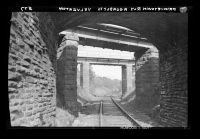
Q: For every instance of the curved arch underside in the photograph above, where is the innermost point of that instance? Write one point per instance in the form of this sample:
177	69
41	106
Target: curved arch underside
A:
164	30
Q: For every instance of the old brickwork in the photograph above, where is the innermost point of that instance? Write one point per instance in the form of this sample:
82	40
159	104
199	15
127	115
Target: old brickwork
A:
67	74
173	102
31	74
32	69
147	81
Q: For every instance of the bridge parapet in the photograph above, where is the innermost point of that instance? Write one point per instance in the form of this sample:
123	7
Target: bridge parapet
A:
106	61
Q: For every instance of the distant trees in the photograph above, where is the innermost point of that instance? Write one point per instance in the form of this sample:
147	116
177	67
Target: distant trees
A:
104	83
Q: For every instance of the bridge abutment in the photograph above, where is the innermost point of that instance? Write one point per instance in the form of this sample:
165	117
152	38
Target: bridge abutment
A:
85	76
67	73
147	81
127	79
31	70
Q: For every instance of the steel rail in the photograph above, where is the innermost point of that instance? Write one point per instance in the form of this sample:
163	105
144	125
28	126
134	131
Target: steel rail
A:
100	113
126	114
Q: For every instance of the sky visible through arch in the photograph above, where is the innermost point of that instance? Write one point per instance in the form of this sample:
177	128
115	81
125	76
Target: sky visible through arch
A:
112	72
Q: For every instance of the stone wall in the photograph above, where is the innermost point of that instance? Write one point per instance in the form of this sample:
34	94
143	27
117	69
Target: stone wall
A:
173	102
147	81
128	82
31	70
124	80
66	82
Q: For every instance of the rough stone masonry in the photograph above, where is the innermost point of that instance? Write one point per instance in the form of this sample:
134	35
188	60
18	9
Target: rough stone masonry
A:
31	70
32	65
67	75
147	81
174	95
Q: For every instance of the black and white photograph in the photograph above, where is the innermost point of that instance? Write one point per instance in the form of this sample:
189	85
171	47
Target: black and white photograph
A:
98	67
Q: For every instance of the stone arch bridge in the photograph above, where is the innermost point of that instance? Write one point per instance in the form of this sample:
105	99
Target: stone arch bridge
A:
38	70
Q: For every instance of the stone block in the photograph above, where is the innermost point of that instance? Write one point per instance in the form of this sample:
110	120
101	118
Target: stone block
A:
14	76
28	114
16	114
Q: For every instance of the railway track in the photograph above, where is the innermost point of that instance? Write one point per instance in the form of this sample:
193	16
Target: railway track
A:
113	115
